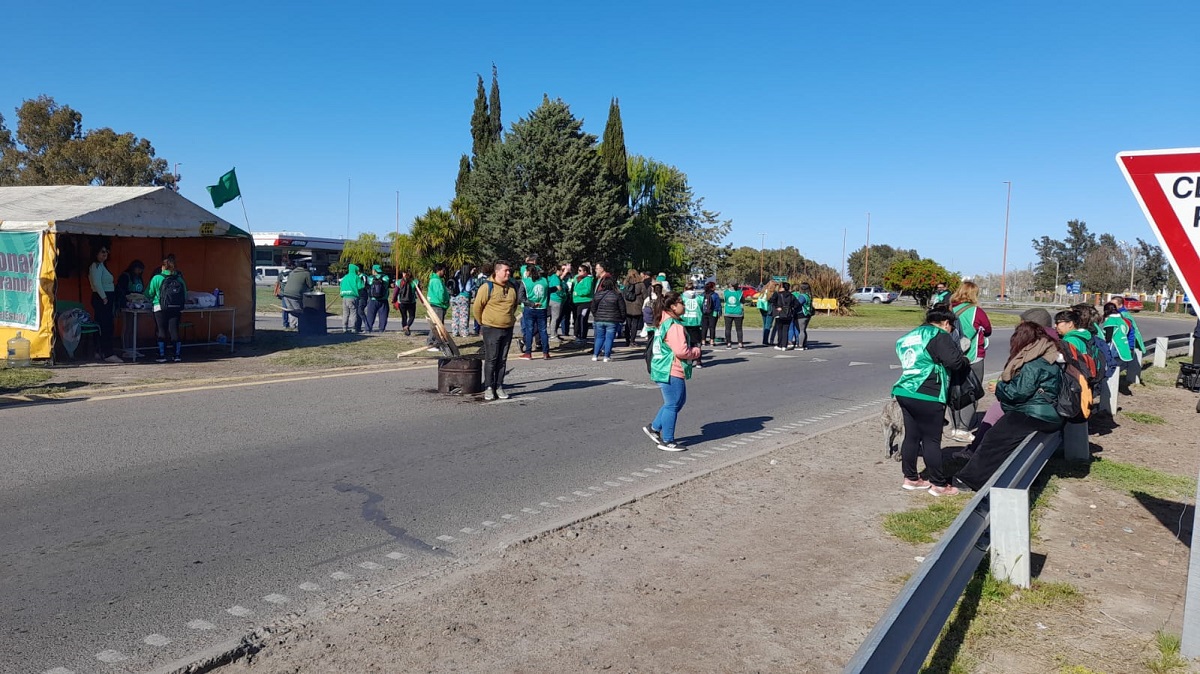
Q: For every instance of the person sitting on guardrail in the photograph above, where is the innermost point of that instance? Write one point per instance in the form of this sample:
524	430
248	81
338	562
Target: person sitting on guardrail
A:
1116	333
1027	390
928	355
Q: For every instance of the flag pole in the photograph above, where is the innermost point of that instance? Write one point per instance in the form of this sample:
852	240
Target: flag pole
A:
244	215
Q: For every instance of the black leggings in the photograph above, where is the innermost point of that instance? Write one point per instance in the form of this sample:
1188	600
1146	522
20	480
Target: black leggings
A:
633	325
730	323
104	319
167	323
709	328
408	314
999	442
922	435
581	321
782	329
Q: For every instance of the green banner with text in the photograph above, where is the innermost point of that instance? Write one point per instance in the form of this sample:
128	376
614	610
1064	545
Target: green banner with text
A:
20	269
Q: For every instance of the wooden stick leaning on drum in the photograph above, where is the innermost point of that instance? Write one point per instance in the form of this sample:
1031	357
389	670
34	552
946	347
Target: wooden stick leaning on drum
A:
447	345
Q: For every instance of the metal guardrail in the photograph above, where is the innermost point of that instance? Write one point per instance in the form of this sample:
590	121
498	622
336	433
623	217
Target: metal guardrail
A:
906	633
1176	345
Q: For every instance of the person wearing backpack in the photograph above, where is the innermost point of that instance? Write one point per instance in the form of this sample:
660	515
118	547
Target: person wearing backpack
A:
1027	390
692	316
404	299
168	293
378	285
634	293
495	309
1136	346
928	357
711	313
1116	333
783	307
533	294
973	325
799	331
734	315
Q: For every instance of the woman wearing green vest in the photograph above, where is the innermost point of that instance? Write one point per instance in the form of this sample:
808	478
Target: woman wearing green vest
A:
734	315
976	327
692	316
670	368
1116	333
533	294
581	298
928	355
763	303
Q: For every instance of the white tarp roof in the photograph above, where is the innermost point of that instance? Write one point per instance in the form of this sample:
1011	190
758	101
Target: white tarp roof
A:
152	212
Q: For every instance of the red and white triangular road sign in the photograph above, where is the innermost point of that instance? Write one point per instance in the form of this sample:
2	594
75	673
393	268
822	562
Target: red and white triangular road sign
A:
1167	185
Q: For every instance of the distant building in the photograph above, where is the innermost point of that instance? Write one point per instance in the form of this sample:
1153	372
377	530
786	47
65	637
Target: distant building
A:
272	248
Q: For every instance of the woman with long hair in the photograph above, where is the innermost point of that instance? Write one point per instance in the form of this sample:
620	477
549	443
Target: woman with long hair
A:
635	295
976	328
670	368
104	304
763	303
1027	391
608	311
928	356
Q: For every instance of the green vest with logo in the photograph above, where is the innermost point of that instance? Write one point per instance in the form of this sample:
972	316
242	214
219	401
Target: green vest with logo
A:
537	292
1120	339
966	320
662	356
918	365
691	310
733	302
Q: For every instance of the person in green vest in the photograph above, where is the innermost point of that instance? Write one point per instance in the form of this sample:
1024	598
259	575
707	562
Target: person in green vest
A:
581	297
533	294
560	302
734	315
710	306
1116	333
976	327
804	312
352	283
692	316
670	368
927	356
439	299
940	295
1136	345
763	304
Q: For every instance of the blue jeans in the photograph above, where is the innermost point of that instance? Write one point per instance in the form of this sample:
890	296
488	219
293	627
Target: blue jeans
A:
533	322
674	394
768	319
606	332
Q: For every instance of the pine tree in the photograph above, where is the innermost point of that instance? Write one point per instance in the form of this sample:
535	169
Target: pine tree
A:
543	190
464	174
612	150
481	123
494	107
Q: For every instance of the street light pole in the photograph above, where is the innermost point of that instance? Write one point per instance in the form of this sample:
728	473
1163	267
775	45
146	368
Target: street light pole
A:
177	175
1056	280
1132	257
762	247
1004	255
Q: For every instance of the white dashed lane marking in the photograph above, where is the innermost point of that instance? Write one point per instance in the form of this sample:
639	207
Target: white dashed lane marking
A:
446	539
111	656
468	530
59	670
310	587
201	625
341	575
277	598
629	479
370	566
397	555
530	511
157	640
239	611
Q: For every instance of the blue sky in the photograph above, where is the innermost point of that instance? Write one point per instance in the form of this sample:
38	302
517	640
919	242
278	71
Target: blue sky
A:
792	119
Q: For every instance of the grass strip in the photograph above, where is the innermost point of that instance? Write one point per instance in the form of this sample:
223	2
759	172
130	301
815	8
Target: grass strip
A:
22	379
1135	480
920	524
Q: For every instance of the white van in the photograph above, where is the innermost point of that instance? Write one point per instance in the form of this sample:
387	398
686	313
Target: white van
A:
267	276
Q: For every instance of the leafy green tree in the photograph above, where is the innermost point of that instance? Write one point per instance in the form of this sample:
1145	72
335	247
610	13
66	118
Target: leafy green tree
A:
364	251
1153	271
1069	252
876	265
1105	269
51	148
440	235
542	190
494	107
481	123
612	151
917	277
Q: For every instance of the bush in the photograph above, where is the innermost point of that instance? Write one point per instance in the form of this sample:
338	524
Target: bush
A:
829	284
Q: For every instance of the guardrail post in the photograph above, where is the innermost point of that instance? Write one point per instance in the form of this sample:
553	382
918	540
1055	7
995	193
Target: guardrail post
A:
1108	399
1190	648
1075	442
1192	347
1009	515
1161	345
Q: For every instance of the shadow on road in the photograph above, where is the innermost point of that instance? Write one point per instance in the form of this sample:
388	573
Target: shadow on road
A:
719	430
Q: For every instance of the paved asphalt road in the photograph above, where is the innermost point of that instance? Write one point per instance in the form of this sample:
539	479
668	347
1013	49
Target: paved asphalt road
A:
141	529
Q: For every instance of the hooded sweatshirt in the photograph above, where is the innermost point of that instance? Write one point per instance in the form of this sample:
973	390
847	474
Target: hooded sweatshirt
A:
352	283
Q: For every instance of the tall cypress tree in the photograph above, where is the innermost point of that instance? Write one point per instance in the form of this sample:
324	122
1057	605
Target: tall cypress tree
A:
464	174
494	106
481	123
612	152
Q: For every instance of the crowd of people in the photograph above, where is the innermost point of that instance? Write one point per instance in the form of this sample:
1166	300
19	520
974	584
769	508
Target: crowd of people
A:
1057	371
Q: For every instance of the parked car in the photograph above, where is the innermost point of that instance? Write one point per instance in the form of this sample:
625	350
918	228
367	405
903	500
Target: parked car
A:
748	293
1133	304
267	276
874	295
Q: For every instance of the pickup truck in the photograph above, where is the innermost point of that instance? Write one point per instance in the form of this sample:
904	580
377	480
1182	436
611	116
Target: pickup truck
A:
875	295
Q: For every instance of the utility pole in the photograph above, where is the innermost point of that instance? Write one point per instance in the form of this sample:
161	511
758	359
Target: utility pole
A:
781	259
1004	256
845	233
762	247
867	253
347	209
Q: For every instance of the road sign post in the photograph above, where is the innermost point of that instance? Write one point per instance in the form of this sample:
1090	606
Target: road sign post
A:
1167	186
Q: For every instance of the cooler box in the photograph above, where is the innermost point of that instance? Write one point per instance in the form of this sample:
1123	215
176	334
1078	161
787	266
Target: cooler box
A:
312	319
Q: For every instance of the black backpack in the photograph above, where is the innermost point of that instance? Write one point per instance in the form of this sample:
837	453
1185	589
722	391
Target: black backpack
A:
171	294
1074	401
378	288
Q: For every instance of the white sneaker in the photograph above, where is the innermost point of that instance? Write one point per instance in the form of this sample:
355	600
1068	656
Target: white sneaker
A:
959	435
501	393
607	360
114	359
433	349
595	358
488	394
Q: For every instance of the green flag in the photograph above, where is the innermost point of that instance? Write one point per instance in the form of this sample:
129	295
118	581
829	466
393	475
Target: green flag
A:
226	189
